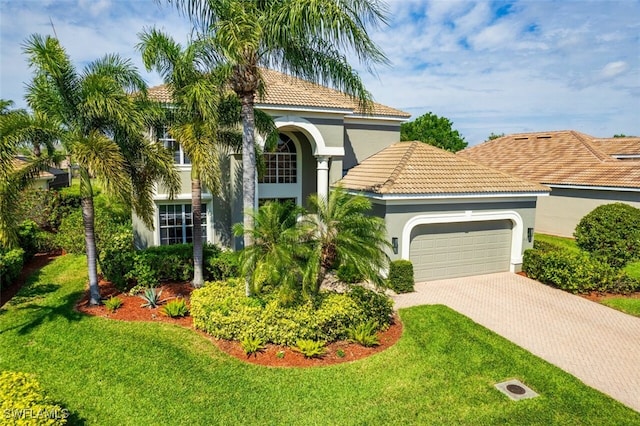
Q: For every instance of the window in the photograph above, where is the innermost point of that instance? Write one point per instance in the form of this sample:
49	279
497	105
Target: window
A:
179	156
281	166
176	224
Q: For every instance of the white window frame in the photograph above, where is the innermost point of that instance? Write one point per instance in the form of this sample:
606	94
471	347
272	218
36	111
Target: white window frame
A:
285	190
165	139
206	217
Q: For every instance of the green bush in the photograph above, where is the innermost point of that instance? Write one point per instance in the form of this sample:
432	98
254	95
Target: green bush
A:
11	262
117	257
377	307
24	402
28	238
310	348
401	276
221	265
112	304
611	232
222	310
365	334
575	272
347	273
175	308
251	345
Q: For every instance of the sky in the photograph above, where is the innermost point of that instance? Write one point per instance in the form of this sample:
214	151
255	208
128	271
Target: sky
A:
488	66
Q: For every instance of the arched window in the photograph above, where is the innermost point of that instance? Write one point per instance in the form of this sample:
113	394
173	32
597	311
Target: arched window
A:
281	165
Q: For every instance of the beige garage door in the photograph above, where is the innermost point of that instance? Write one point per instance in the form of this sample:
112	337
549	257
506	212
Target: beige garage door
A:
450	250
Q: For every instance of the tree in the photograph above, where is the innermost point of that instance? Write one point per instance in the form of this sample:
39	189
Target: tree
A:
304	38
493	136
434	130
341	231
104	114
18	128
203	117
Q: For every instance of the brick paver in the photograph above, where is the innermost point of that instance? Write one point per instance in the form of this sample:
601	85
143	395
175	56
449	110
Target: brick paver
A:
596	344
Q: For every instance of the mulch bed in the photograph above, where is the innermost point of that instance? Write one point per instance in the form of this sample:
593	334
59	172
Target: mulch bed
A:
272	355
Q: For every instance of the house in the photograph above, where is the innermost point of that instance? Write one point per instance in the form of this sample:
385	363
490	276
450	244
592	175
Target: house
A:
582	171
50	179
450	216
324	136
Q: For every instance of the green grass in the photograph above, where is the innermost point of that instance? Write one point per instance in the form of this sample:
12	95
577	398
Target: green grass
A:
625	304
442	371
633	269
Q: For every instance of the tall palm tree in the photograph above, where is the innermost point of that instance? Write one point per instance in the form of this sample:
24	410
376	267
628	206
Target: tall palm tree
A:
204	117
103	113
304	38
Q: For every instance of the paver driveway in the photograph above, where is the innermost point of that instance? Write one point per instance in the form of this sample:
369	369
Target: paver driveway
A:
596	344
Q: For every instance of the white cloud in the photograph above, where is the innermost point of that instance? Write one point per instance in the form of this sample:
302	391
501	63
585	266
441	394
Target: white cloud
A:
613	69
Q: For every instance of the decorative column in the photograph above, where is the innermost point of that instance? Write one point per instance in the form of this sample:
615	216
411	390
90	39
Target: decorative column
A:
323	176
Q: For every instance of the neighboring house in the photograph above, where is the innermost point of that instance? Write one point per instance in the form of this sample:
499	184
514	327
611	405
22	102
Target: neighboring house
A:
450	216
582	171
50	179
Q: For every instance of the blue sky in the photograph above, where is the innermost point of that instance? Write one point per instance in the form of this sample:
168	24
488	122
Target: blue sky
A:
502	67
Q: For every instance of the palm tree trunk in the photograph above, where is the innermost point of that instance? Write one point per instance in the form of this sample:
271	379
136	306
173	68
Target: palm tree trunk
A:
248	172
196	209
88	220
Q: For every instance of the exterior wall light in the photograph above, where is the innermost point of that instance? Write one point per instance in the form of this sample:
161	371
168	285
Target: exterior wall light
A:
394	245
530	234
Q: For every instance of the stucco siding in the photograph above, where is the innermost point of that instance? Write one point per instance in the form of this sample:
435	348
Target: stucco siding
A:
560	213
362	141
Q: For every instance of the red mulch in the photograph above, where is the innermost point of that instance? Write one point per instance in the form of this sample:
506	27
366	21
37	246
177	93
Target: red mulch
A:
132	311
38	261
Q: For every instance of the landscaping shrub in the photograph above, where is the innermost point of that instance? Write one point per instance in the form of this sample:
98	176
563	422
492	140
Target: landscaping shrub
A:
310	348
28	238
24	402
221	265
401	276
112	304
11	262
377	307
222	310
571	271
364	334
347	273
611	232
175	308
117	257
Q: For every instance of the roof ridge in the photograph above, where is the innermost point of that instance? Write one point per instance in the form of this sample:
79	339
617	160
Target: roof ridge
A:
391	180
594	150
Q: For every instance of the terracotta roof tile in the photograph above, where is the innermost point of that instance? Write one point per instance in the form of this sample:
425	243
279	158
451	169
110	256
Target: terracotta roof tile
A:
562	158
419	168
284	90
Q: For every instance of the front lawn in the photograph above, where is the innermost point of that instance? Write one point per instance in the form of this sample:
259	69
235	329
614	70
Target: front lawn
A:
630	305
442	371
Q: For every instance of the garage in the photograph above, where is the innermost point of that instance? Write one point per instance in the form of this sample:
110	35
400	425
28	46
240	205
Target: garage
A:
449	250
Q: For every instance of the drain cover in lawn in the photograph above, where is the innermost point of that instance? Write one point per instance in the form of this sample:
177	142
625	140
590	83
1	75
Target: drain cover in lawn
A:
516	390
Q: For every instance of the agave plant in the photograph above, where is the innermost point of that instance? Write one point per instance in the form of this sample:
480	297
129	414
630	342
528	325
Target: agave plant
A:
151	298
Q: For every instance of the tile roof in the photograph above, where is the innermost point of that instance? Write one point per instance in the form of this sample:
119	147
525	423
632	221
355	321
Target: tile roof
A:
19	162
562	158
419	168
284	90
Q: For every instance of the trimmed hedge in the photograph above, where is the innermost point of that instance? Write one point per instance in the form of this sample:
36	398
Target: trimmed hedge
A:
401	276
11	263
24	402
611	232
222	310
576	272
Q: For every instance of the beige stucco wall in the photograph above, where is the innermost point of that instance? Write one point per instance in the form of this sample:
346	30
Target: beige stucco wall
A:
362	140
398	213
560	213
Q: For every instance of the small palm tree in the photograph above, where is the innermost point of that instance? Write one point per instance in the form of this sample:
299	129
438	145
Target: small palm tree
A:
274	258
304	38
341	231
103	114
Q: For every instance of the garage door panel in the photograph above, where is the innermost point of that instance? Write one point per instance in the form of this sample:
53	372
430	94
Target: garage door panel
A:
453	250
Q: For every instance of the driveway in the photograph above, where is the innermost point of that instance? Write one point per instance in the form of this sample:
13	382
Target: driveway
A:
596	344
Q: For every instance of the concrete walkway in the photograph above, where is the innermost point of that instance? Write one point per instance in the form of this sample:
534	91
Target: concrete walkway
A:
596	344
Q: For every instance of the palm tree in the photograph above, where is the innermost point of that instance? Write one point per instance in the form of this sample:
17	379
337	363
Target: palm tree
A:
304	38
103	113
19	128
341	231
274	257
204	118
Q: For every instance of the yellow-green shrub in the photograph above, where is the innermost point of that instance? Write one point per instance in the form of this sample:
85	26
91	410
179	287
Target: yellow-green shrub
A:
24	402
